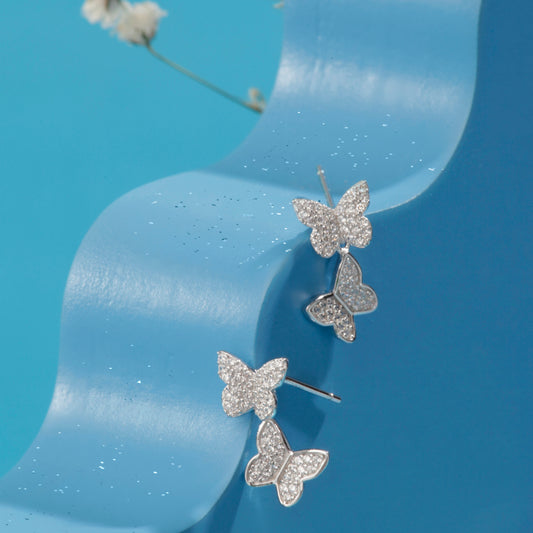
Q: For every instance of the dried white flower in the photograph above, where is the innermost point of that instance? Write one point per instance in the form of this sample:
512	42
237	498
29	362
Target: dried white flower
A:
104	12
139	22
257	100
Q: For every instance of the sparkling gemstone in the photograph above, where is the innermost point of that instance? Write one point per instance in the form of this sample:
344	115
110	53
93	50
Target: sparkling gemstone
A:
349	297
345	224
277	464
250	389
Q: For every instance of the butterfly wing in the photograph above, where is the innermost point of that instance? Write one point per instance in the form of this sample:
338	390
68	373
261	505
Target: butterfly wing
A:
344	327
326	234
323	309
265	403
301	466
355	229
327	310
356	198
272	373
236	402
270	376
232	370
350	289
273	449
237	396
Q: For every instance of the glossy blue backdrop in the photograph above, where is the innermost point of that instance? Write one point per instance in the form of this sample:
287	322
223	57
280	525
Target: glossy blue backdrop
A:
434	433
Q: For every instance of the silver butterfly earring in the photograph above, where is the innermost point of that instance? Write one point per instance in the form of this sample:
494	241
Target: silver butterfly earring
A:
275	464
335	229
248	389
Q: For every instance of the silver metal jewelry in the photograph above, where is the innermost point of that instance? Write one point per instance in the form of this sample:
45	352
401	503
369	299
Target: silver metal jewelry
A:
350	297
335	229
248	389
334	226
276	464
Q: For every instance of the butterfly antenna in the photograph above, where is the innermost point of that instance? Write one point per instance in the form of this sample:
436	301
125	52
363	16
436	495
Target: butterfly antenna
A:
322	177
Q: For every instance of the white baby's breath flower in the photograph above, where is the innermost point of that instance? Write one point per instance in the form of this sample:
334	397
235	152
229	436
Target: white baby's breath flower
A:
139	22
104	12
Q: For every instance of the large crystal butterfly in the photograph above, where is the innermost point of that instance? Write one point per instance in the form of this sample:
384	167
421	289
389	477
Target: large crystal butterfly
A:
349	297
277	464
249	389
344	224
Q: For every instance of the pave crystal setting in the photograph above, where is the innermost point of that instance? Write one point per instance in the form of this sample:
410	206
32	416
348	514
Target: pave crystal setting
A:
326	310
277	464
344	224
248	389
350	297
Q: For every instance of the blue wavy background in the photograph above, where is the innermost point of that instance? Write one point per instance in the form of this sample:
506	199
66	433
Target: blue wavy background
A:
86	118
434	433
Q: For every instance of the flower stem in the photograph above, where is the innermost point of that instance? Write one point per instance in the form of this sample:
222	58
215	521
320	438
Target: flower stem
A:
205	83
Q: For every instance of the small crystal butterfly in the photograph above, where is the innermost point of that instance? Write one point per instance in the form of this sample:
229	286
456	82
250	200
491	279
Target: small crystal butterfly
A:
333	227
349	297
277	464
249	389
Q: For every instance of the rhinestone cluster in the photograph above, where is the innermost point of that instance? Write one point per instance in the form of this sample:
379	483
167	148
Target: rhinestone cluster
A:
248	389
264	468
343	224
355	228
300	466
356	296
277	464
326	310
326	234
350	297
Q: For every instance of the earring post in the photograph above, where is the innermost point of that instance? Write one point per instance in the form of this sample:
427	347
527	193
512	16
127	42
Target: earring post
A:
322	177
313	390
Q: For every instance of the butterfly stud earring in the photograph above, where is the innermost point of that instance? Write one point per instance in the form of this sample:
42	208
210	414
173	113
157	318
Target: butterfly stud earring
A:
248	389
335	229
276	464
349	297
336	226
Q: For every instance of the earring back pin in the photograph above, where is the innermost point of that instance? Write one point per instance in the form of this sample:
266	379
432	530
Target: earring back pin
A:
313	390
324	183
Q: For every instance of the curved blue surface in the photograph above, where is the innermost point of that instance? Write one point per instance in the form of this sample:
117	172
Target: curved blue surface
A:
81	127
375	90
433	433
